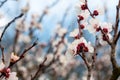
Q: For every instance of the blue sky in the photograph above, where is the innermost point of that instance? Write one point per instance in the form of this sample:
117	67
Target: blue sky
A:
56	13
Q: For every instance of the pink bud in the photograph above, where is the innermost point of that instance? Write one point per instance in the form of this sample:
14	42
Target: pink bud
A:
84	7
95	13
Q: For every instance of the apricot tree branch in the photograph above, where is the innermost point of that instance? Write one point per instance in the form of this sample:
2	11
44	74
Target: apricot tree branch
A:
117	37
9	25
3	2
116	67
117	19
39	69
23	54
2	50
89	67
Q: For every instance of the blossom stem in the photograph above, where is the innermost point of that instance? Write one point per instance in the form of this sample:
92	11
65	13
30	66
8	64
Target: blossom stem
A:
89	67
89	10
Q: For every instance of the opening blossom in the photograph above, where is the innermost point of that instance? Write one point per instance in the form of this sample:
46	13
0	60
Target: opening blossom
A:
13	57
83	5
93	26
106	27
103	39
83	15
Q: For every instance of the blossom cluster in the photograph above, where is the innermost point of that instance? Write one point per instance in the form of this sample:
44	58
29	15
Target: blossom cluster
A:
27	58
88	20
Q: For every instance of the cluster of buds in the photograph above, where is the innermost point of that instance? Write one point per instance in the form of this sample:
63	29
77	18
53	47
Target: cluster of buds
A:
87	20
80	45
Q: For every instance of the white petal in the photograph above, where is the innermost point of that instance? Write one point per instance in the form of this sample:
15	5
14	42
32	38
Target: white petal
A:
2	65
74	33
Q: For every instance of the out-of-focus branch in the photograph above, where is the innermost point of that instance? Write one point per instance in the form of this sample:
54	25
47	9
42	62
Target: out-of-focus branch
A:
2	50
117	37
9	25
23	54
21	57
47	8
15	40
65	15
3	2
39	69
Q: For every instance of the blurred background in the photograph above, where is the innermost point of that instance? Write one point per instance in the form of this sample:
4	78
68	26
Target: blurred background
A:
50	22
50	13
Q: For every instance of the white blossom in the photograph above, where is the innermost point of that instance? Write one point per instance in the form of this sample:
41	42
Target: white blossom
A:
13	57
80	44
94	25
12	76
2	66
74	33
102	39
106	27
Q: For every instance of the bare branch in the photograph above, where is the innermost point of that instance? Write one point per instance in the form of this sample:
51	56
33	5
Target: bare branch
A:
9	25
89	67
23	54
117	37
117	20
15	40
2	50
3	2
39	69
89	10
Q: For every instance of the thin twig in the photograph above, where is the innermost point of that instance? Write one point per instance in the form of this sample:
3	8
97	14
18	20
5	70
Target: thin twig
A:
2	3
85	60
89	67
23	54
3	58
89	9
15	40
9	25
39	69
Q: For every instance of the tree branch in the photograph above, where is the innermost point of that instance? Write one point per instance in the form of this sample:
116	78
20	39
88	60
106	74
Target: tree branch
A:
9	25
116	68
23	54
117	37
3	2
2	50
39	69
117	20
89	67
